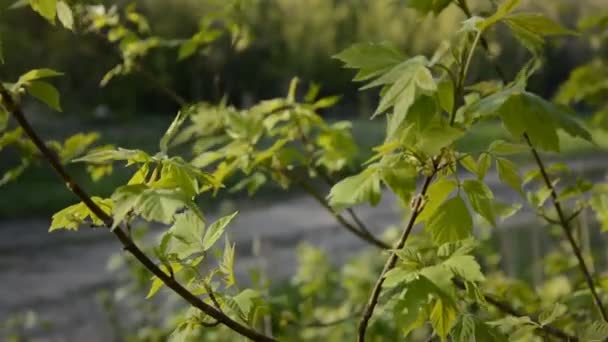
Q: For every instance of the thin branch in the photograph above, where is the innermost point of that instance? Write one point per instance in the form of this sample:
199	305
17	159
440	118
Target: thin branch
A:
127	243
392	260
331	182
367	237
565	224
508	309
158	84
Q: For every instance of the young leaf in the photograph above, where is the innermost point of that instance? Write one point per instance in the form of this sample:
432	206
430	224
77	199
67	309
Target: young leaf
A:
401	179
503	10
507	173
108	155
466	267
412	305
597	331
470	164
483	165
436	195
537	24
75	215
64	14
503	148
443	318
187	235
357	189
548	317
410	78
37	74
481	198
372	59
46	8
227	264
215	230
158	205
445	93
46	93
451	221
181	116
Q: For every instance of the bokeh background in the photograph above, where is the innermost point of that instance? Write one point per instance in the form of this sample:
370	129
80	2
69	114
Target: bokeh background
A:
60	275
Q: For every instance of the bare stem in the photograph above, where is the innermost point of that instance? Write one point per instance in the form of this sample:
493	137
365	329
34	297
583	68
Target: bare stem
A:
127	243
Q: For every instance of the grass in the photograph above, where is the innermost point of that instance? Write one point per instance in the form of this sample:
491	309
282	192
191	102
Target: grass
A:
38	193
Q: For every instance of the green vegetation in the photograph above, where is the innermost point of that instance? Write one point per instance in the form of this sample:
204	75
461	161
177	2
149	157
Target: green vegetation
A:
448	118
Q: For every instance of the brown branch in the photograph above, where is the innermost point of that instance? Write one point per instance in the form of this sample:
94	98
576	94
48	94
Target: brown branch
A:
508	309
392	260
158	84
564	222
127	243
366	237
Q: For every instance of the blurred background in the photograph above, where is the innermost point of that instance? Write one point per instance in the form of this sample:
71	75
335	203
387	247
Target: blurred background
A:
284	38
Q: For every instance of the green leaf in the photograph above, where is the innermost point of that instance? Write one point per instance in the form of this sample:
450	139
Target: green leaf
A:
187	49
466	267
76	145
187	234
470	164
46	93
503	10
521	114
507	173
75	215
151	204
64	13
106	155
436	195
503	148
227	264
538	24
596	331
46	8
215	230
483	165
451	221
412	305
443	318
372	59
548	317
171	132
445	93
37	74
361	188
481	199
512	322
470	328
462	247
157	284
401	179
411	78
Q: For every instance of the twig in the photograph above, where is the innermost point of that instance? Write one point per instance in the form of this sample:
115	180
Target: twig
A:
392	260
508	309
128	244
367	237
565	224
